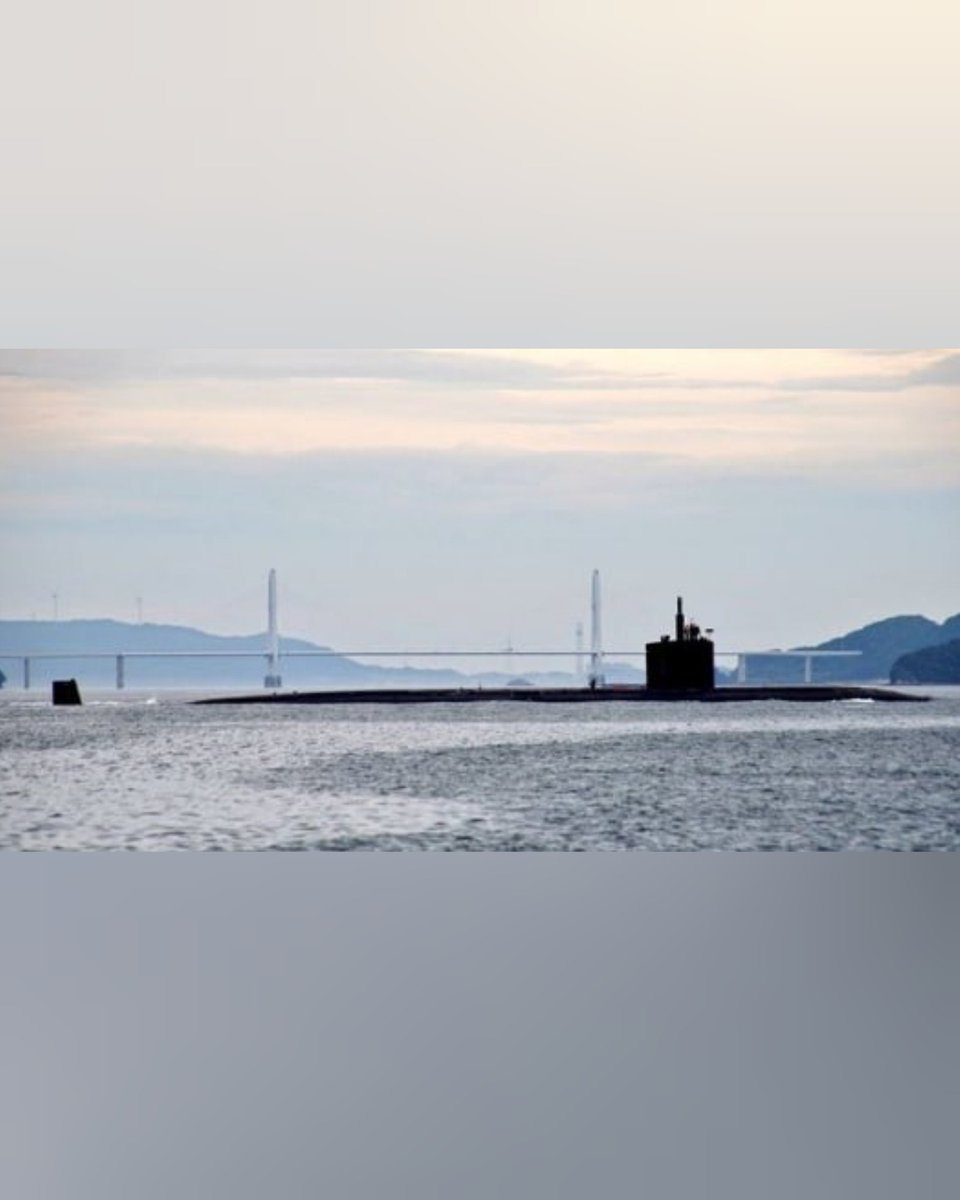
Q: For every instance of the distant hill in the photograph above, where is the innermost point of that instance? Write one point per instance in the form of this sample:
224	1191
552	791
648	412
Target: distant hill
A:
883	644
19	638
880	644
113	637
932	664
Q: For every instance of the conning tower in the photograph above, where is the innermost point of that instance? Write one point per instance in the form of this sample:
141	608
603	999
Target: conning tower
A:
684	664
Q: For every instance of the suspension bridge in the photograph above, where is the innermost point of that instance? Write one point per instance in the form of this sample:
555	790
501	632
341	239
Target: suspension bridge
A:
273	655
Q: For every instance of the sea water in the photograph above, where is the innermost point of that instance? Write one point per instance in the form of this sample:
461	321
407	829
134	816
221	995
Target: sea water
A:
154	772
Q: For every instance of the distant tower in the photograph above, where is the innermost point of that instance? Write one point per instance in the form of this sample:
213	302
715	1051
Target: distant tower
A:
272	678
596	636
579	667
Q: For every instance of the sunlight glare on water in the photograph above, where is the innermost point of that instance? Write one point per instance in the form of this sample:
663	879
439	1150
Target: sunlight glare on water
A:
153	772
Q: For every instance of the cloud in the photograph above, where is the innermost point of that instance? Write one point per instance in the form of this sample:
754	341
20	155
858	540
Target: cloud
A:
600	370
733	431
411	366
943	371
708	409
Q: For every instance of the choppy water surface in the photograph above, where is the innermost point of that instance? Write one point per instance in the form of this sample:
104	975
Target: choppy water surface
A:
158	773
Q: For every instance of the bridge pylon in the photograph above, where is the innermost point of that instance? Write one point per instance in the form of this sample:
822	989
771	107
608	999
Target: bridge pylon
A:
272	678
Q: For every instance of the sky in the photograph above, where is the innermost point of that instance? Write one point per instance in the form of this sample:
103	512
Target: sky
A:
426	171
417	499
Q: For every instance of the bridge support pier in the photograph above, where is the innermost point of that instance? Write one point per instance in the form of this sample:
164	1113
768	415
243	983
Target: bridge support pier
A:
120	673
26	674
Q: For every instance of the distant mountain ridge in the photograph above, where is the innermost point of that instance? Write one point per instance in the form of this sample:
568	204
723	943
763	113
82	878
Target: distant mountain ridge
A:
883	642
110	637
933	664
105	636
880	644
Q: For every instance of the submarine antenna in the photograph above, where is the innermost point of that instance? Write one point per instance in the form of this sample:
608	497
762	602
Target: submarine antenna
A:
272	678
596	637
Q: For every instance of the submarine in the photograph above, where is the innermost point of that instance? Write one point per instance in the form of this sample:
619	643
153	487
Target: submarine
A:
679	668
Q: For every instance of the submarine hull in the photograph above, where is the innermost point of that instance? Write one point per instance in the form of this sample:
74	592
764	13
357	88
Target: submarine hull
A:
607	695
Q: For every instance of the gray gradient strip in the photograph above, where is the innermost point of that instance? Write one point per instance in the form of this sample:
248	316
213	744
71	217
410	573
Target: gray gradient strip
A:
556	1026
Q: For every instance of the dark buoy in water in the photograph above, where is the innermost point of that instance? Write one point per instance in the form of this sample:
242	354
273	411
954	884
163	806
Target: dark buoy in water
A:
65	692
